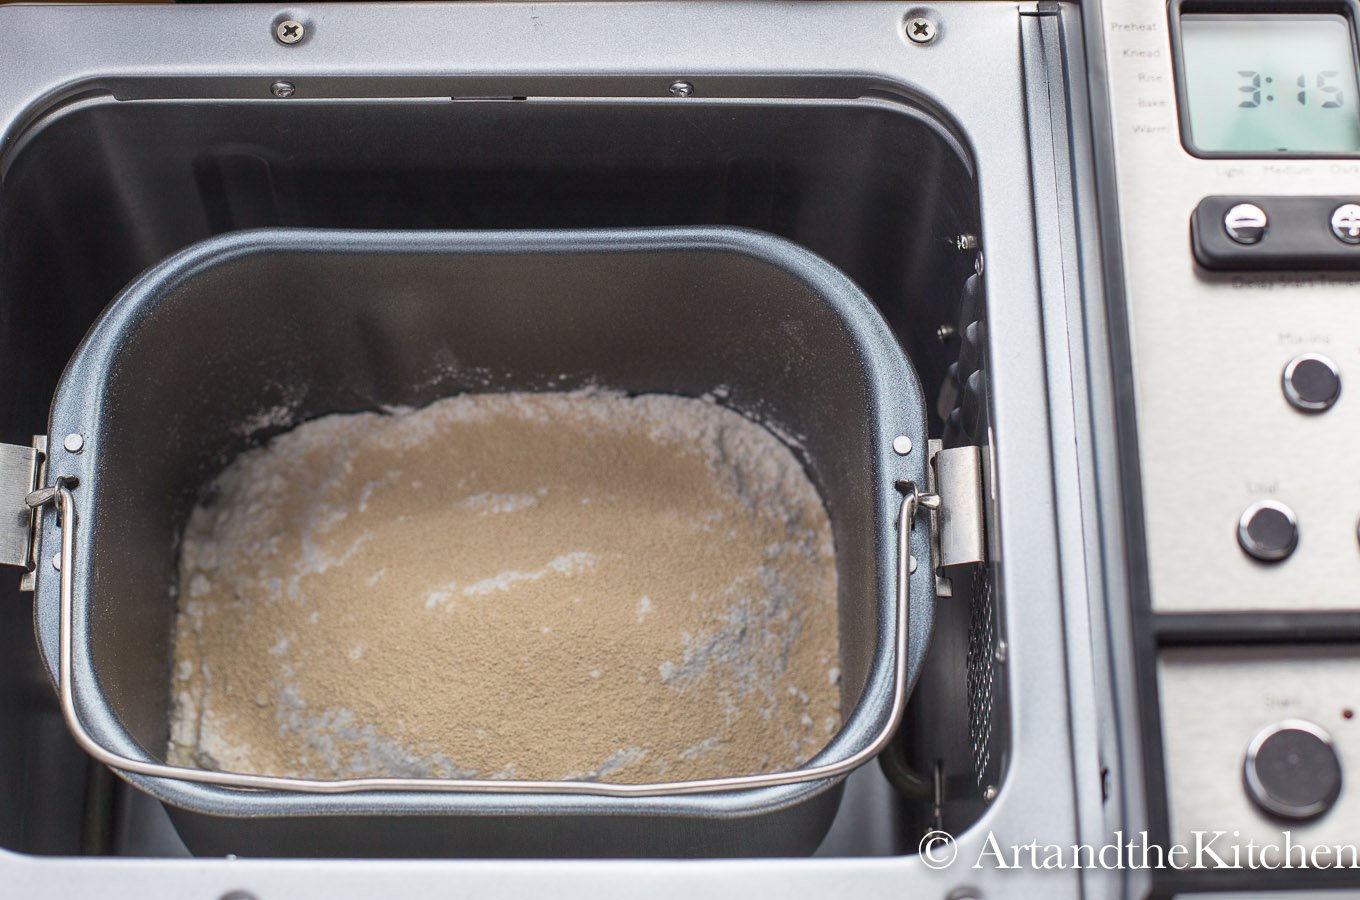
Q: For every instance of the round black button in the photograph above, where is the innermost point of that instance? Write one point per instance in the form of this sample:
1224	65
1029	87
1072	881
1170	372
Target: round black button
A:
1311	382
1292	770
1268	531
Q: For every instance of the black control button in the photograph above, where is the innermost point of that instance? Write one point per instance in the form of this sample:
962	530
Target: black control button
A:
1311	382
1292	770
1268	531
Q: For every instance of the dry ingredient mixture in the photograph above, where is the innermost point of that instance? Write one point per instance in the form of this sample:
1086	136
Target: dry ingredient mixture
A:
563	585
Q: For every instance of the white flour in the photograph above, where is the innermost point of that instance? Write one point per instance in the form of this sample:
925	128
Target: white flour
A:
579	585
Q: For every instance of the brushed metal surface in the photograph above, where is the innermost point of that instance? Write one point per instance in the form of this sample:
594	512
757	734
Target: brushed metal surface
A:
1053	454
1216	700
1216	433
962	536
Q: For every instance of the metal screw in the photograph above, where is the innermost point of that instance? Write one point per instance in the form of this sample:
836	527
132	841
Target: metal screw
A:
921	30
56	561
73	443
989	793
912	565
945	332
966	242
901	445
1000	652
283	89
681	88
289	31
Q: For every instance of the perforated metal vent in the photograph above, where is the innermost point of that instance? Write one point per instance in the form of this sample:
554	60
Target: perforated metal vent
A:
963	407
982	673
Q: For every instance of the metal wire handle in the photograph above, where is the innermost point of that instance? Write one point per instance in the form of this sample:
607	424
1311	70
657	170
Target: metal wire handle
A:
61	497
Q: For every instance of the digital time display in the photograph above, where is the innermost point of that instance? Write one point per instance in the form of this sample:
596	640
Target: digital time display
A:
1281	83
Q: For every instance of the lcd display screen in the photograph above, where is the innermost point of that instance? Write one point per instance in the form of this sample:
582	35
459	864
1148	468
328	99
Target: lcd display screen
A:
1281	83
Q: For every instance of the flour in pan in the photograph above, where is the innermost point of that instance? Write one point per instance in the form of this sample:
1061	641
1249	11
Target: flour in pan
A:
553	585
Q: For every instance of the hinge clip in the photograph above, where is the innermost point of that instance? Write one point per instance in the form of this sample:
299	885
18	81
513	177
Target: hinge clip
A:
22	470
958	533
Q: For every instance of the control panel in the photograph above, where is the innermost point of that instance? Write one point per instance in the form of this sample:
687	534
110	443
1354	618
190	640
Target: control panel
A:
1263	741
1236	159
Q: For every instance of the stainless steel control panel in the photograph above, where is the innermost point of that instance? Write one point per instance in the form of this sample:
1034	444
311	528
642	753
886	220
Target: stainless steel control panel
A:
1260	741
1241	306
1246	382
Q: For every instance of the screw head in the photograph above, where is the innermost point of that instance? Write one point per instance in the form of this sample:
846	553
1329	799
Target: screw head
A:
681	88
921	30
289	31
283	89
73	443
901	445
989	793
944	332
56	561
